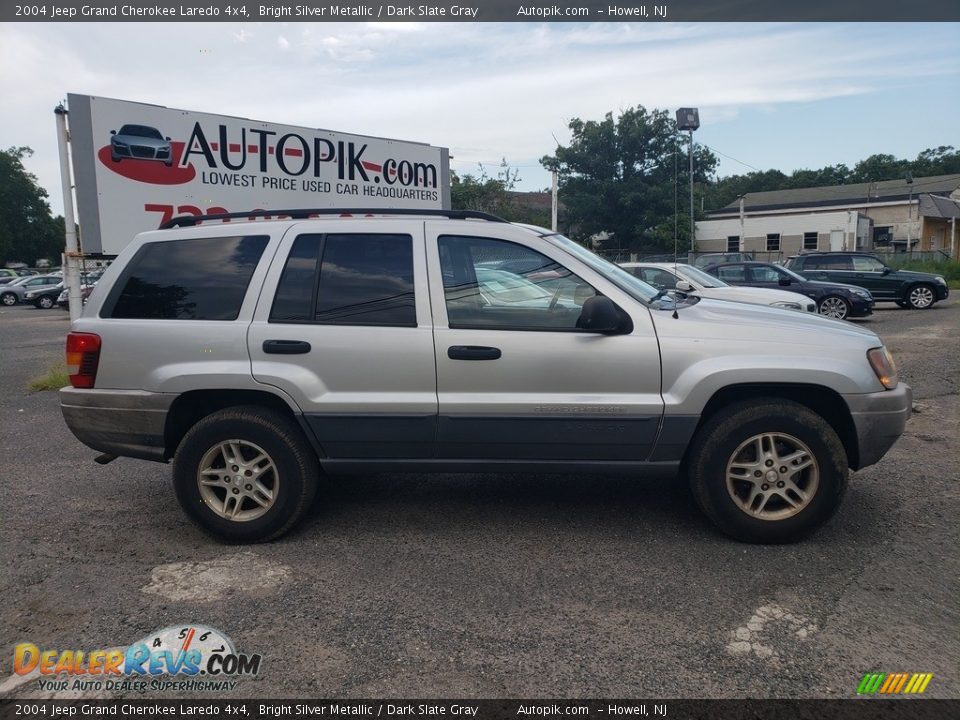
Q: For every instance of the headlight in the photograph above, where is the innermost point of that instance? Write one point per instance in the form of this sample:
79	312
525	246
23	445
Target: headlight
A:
883	365
861	292
940	280
31	294
787	305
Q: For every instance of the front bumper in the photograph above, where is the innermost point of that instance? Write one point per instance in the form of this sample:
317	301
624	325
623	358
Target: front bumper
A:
879	419
943	291
860	307
130	423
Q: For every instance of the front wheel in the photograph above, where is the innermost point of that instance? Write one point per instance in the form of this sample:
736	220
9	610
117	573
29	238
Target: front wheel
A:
921	297
8	299
767	470
245	474
834	306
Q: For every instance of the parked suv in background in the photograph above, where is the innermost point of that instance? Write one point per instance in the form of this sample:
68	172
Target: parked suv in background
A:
833	300
906	288
256	355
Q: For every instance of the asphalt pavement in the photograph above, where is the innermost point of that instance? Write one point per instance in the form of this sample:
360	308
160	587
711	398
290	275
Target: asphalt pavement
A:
492	585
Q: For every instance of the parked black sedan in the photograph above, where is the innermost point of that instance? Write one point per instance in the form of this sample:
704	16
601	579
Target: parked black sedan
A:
834	300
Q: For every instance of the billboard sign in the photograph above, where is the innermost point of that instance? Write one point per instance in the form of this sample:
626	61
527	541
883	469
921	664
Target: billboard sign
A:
138	165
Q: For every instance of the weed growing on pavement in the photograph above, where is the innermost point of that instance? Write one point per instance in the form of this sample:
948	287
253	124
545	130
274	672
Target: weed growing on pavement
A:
54	379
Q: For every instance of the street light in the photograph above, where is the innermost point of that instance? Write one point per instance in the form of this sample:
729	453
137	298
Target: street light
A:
689	119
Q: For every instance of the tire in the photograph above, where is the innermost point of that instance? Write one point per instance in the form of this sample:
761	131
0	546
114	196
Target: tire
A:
9	299
45	302
290	473
834	306
753	509
921	297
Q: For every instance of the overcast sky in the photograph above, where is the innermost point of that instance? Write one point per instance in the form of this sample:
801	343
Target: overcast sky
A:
770	96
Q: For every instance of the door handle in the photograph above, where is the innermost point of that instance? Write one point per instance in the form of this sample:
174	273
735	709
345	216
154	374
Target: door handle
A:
286	347
472	352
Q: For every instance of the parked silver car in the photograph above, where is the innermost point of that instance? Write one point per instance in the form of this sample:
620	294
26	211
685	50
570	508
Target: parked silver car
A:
258	355
16	291
690	279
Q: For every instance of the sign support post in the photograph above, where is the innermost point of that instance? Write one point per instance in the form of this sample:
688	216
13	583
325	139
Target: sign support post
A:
71	269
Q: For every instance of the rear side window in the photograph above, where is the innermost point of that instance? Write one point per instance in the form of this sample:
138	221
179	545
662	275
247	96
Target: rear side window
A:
348	279
194	279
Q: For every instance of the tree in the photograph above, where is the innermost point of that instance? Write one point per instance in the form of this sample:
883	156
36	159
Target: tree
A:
27	229
621	179
494	195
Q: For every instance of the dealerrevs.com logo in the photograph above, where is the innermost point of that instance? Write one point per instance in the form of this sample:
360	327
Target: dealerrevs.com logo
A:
177	658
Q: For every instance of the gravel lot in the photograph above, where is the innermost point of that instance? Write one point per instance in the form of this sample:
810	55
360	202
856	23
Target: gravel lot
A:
494	585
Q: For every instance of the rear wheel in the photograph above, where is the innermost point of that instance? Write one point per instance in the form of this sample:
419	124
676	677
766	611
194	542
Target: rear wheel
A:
921	297
245	474
46	302
834	306
767	471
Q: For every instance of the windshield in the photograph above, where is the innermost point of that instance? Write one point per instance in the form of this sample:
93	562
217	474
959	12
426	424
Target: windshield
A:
787	271
141	131
700	277
630	284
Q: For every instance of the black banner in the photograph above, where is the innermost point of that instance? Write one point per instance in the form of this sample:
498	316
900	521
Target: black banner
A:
482	11
854	709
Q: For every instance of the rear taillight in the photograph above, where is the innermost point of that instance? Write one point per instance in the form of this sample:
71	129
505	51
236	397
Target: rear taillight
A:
83	357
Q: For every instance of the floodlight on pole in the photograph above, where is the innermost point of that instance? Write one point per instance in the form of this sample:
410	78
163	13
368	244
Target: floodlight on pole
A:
689	119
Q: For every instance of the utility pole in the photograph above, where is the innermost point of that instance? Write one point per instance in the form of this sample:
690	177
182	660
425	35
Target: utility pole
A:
553	203
909	179
743	242
71	256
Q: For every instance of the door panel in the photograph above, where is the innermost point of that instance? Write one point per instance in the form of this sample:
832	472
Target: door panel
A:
367	384
554	392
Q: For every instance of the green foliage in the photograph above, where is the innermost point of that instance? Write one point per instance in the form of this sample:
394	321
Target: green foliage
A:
27	230
950	270
494	195
621	178
943	160
54	379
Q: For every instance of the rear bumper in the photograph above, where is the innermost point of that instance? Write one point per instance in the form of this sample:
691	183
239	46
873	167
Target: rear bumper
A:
129	423
879	419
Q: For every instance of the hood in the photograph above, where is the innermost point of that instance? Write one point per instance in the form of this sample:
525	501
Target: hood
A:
828	285
757	296
732	322
143	141
913	275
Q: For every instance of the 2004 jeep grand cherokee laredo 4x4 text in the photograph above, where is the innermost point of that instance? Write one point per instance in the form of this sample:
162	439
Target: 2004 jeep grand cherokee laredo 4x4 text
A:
256	355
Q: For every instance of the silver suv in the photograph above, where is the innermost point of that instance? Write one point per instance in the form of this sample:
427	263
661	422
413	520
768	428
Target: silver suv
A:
259	355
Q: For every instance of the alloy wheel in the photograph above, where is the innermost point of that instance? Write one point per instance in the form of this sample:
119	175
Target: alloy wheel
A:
238	480
772	476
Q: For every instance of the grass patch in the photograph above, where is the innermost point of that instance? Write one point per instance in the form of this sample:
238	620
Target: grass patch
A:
55	379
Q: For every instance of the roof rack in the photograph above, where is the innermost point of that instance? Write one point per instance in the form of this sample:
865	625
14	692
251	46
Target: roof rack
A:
306	213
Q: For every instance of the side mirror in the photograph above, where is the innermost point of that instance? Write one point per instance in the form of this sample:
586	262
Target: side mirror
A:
113	132
684	286
886	271
600	315
784	280
168	139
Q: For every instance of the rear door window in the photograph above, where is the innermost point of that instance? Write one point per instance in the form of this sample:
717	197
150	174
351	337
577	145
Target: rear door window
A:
192	279
348	279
